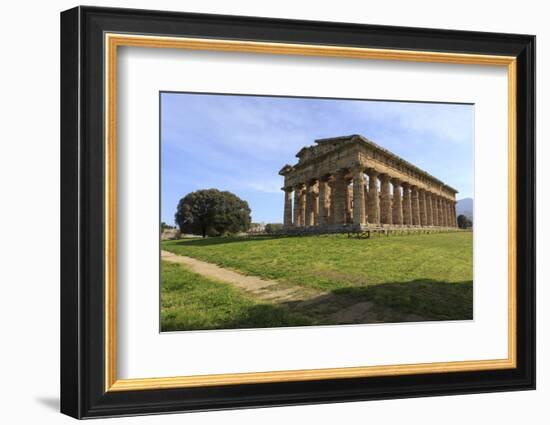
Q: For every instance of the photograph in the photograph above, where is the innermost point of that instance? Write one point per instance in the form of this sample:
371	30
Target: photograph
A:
284	211
289	209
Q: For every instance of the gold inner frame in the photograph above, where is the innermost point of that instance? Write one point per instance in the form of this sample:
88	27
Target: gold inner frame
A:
113	41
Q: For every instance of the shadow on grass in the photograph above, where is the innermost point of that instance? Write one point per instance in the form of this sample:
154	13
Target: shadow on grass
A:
418	300
221	240
268	315
255	316
431	299
414	301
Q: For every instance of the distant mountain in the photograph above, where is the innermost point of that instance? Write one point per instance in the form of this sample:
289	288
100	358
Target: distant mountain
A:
465	207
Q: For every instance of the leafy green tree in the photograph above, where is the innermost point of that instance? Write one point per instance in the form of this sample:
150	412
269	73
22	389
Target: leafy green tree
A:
211	212
463	221
271	228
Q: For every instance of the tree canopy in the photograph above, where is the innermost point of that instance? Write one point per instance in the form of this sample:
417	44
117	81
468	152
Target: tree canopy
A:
463	221
211	212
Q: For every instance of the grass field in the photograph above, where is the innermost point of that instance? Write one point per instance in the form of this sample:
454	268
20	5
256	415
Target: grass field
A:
402	278
190	301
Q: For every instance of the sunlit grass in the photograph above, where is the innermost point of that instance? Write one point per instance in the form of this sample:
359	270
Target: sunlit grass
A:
190	302
425	275
332	262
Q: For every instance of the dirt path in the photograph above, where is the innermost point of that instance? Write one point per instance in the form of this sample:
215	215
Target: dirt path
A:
266	290
324	303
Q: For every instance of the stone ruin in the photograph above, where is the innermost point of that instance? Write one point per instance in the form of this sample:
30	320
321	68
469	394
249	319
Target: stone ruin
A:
349	183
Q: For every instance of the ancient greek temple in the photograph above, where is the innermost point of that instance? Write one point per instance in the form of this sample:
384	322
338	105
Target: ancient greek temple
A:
350	183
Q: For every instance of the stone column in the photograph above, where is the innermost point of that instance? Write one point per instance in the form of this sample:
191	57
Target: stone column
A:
415	206
423	207
373	199
323	201
349	200
448	209
359	216
437	216
397	205
316	206
302	213
429	209
366	200
287	219
339	197
297	195
435	210
440	212
407	204
331	201
310	221
385	200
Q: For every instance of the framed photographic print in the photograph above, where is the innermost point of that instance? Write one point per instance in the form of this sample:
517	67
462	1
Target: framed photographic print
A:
261	212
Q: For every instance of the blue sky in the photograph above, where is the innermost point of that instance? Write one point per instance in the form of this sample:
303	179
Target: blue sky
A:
239	143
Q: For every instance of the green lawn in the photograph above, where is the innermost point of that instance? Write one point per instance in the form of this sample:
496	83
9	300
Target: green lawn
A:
190	301
406	277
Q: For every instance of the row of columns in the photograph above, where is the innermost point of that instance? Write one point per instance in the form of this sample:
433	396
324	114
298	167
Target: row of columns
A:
329	200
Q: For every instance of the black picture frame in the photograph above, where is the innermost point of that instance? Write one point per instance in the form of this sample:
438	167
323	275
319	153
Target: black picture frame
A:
83	392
